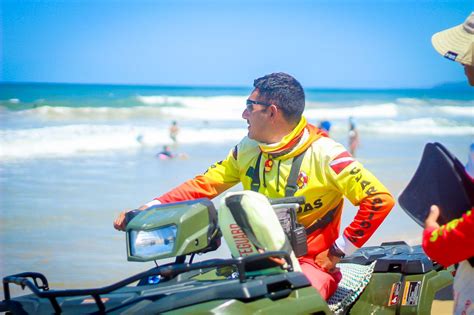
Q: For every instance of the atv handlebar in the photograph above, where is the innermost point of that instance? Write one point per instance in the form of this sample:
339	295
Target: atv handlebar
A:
42	290
273	201
276	201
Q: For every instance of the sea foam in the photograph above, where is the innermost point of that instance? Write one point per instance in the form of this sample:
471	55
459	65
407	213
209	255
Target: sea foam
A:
230	108
78	139
421	126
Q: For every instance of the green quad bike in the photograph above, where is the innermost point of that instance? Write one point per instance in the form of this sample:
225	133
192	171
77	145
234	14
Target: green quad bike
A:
392	278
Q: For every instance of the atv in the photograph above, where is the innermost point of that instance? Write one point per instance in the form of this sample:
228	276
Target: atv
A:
392	278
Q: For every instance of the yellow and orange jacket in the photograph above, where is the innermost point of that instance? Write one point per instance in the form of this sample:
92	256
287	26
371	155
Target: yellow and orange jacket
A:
327	174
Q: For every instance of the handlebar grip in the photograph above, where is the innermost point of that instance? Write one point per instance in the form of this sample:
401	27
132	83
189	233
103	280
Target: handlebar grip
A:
299	200
130	215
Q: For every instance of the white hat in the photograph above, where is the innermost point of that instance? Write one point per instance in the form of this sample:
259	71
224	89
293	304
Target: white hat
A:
457	43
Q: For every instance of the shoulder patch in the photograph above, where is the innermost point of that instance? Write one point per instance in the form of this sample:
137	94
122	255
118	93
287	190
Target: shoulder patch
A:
340	162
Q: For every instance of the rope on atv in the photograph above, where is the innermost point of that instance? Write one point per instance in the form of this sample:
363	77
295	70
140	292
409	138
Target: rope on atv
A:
355	278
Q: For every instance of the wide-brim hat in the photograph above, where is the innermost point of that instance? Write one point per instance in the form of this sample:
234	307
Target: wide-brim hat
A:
457	43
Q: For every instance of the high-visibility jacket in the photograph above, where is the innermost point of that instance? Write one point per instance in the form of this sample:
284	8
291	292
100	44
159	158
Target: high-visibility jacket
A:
454	243
327	174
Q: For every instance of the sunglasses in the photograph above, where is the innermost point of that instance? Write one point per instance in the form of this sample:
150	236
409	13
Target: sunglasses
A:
250	104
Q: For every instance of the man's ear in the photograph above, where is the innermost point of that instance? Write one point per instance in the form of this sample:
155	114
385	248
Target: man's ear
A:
273	110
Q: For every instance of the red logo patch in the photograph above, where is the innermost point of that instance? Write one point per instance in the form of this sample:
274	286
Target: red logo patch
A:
340	162
302	180
268	165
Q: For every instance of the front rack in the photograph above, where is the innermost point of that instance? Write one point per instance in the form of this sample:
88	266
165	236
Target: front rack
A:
42	289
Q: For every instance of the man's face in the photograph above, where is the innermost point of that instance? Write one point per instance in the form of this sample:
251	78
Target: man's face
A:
469	71
257	115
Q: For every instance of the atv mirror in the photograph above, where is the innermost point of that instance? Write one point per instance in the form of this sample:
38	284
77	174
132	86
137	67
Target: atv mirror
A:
171	230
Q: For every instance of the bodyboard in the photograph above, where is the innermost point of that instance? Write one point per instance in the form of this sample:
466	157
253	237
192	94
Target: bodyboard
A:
440	180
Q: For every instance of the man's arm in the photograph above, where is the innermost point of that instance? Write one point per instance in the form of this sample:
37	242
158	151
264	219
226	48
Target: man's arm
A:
201	186
219	177
363	189
450	243
373	210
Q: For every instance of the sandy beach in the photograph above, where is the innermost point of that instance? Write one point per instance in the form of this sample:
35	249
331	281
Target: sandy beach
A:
442	307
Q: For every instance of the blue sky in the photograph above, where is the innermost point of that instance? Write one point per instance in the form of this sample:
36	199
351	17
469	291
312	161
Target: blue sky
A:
342	44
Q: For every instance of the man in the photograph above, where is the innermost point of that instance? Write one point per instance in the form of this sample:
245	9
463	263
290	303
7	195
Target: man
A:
278	136
457	44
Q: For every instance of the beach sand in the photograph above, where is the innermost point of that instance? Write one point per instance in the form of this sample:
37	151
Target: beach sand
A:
442	307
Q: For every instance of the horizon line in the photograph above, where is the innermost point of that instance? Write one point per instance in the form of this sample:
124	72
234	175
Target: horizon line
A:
204	86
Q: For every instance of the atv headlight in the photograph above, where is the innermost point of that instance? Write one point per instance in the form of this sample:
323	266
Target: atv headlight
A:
171	230
146	244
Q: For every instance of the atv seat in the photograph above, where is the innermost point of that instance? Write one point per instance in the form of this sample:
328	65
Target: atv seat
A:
355	278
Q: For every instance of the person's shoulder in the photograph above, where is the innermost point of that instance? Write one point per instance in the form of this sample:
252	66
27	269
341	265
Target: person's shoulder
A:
327	149
248	143
246	148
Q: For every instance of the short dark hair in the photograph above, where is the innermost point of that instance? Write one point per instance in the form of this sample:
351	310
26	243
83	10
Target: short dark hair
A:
284	91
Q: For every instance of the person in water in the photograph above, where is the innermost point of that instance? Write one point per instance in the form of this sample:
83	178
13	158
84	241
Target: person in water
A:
453	243
457	44
325	126
165	153
353	137
174	130
278	137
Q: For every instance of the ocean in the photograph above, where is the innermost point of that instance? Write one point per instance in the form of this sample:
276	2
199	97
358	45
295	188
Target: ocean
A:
73	156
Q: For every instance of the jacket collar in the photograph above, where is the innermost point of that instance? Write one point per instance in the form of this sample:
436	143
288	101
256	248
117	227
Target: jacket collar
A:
294	143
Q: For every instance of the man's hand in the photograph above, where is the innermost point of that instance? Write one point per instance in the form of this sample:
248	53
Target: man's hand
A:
277	260
431	220
327	261
119	223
